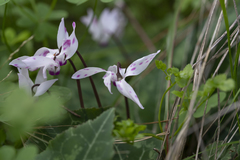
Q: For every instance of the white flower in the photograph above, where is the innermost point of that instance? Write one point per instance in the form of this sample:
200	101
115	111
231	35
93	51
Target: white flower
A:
110	22
51	59
117	76
40	86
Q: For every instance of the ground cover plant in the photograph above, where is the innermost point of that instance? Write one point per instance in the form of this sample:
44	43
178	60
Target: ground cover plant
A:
120	80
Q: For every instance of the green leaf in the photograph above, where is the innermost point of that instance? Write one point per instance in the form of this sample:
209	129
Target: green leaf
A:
127	130
91	141
142	150
27	153
227	85
106	1
2	2
212	102
63	93
174	71
187	72
178	93
160	65
58	14
7	153
77	2
181	82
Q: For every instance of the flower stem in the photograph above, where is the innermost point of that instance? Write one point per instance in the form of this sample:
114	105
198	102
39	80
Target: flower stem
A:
160	107
78	85
91	80
127	108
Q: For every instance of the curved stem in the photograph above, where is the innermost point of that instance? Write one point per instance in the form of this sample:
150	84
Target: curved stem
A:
78	85
160	107
91	81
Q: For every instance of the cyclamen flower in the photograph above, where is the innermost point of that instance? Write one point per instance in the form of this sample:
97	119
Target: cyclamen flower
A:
52	59
117	76
109	23
40	86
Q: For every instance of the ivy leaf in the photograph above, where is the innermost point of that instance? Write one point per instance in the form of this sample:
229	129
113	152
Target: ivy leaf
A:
127	130
178	93
160	65
184	76
174	71
77	2
91	141
212	102
187	72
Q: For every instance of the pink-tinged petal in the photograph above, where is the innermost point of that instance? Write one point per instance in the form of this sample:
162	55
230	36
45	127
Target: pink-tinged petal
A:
107	82
36	62
125	89
140	65
40	78
62	33
43	87
19	62
73	43
44	51
86	72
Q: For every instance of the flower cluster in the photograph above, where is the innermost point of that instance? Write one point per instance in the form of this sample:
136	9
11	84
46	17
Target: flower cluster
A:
51	59
46	59
109	23
117	75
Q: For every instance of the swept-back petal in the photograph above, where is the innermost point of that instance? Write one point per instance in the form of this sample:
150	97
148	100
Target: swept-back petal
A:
140	65
86	72
125	89
62	33
24	81
40	78
73	43
107	81
19	62
43	87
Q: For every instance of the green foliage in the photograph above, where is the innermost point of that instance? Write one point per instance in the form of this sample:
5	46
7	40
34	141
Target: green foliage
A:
63	93
2	2
37	20
51	130
77	2
160	65
89	141
139	150
212	102
10	153
221	82
13	38
222	154
184	76
21	113
174	71
178	93
127	130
